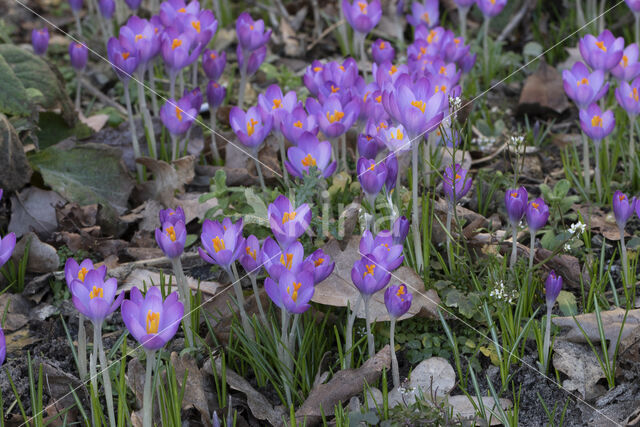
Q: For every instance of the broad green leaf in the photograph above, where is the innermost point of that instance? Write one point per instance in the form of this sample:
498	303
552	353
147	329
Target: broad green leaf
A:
14	100
260	215
567	303
53	129
14	169
561	188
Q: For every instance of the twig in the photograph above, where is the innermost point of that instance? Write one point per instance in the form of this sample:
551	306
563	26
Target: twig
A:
514	22
325	33
101	96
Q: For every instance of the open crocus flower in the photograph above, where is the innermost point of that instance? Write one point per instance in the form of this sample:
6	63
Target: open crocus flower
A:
143	36
515	201
7	245
310	152
491	8
202	26
172	216
369	276
172	238
396	139
425	13
602	53
95	297
553	286
382	248
455	182
151	321
122	56
40	40
251	34
537	214
596	124
178	50
251	127
372	177
79	55
333	118
177	116
623	207
582	86
174	12
213	63
397	299
388	73
215	94
276	261
382	51
277	104
628	96
312	76
296	123
362	15
400	230
453	48
251	256
74	271
222	242
287	223
322	265
292	292
628	68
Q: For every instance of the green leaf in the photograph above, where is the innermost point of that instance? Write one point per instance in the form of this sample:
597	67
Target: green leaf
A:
466	304
567	303
14	169
561	188
260	215
53	129
86	174
191	239
532	49
13	95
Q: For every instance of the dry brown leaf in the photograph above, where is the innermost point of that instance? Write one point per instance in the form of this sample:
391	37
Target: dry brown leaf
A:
600	222
543	92
611	322
167	178
140	277
194	387
34	210
95	122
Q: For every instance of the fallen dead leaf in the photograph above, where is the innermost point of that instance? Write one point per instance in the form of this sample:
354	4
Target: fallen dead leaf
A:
611	322
95	122
43	258
167	178
194	387
543	92
34	209
580	364
600	222
140	277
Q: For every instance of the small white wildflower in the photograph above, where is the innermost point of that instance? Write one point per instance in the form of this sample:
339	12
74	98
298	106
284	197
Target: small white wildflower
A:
567	246
577	228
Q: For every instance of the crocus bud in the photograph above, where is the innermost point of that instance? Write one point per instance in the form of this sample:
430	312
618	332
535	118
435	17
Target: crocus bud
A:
491	8
537	214
553	285
397	299
40	40
76	5
623	207
107	8
7	245
172	215
382	51
515	201
455	183
372	176
400	230
79	54
213	63
215	94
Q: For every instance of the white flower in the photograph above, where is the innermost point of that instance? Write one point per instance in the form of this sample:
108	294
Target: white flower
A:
577	228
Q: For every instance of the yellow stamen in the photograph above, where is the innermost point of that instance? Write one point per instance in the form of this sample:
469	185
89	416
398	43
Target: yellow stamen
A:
212	56
625	61
171	232
601	46
420	105
179	113
82	274
584	81
393	70
318	262
182	10
596	121
298	124
634	95
622	197
335	117
139	37
125	55
401	291
196	25
277	103
535	205
458	177
515	194
363	7
289	261
251	253
176	43
288	216
456	40
431	36
309	161
153	322
296	287
251	126
370	268
425	17
334	89
218	244
96	292
443	70
379	99
317	69
381	45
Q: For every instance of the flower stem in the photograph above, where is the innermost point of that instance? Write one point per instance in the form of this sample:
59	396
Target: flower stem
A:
449	218
76	17
370	342
214	145
259	169
485	46
172	86
514	245
283	154
104	368
144	110
415	220
394	359
152	85
78	89
547	339
349	334
237	288
585	165
286	354
243	79
623	254
598	179
147	400
637	28
174	146
185	297
343	146
256	294
82	347
462	14
133	130
363	55
532	251
632	148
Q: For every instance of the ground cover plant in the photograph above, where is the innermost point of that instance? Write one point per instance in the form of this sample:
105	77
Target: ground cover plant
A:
289	212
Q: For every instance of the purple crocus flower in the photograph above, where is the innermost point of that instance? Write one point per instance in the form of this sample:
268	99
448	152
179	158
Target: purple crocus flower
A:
151	321
537	213
333	118
628	96
628	68
515	201
194	97
107	8
143	36
7	245
313	75
277	104
491	8
216	94
133	4
310	152
391	162
3	347
372	177
251	34
172	216
602	53
74	271
201	26
40	40
596	124
396	139
178	50
634	5
388	254
553	286
367	146
79	55
276	260
322	265
95	297
464	3
623	207
251	257
288	224
398	300
296	123
177	116
455	183
251	127
382	51
425	13
76	5
584	87
256	58
213	63
362	15
292	292
454	49
122	57
222	242
172	238
400	230
369	276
